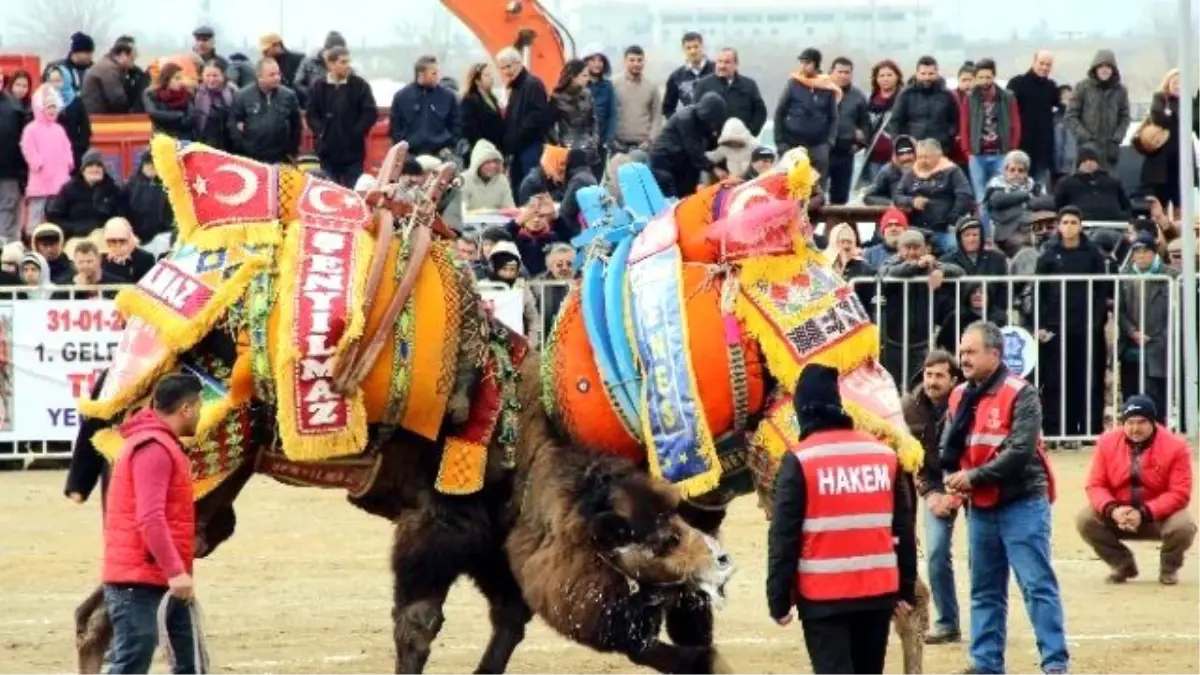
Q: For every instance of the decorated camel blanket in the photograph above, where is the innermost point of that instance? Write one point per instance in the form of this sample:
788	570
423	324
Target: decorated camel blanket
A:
262	294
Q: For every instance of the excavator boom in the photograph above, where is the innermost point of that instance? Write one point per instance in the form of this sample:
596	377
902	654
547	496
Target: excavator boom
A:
523	24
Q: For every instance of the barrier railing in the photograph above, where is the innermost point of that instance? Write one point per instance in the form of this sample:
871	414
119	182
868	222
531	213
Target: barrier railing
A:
54	342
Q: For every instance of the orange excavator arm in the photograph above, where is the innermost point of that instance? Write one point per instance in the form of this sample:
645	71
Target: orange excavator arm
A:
523	24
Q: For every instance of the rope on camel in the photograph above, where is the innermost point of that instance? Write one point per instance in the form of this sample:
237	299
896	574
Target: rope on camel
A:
199	648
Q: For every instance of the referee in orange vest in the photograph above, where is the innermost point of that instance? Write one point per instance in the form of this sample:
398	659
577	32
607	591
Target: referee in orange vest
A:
842	547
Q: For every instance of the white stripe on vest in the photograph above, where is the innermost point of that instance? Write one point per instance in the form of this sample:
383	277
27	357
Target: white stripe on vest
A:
851	564
843	450
990	440
862	521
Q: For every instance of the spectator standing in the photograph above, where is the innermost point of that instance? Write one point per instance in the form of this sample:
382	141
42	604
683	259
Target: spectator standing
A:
241	72
20	86
1139	487
528	116
87	201
312	70
271	46
992	447
14	171
885	85
1071	322
485	187
1099	111
146	202
1065	148
1093	190
573	111
79	59
341	113
149	530
925	109
264	123
742	98
424	114
604	97
639	103
892	224
680	151
479	109
806	115
925	414
1009	197
214	105
887	177
1038	105
977	260
965	82
47	152
48	245
170	105
1145	322
136	80
681	82
937	192
204	46
72	116
1161	174
103	90
123	260
989	127
853	129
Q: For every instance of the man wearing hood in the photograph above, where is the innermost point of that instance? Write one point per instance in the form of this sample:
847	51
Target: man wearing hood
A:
742	98
485	187
1073	351
313	70
88	200
1145	321
604	97
681	82
505	268
680	151
853	130
807	113
883	185
926	109
937	193
1093	190
842	544
976	260
1099	112
35	277
1037	96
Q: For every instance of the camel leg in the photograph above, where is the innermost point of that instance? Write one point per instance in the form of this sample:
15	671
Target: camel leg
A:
507	610
690	623
667	658
912	629
93	632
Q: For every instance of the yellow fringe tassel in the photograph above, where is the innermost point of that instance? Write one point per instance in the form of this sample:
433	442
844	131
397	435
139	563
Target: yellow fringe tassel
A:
909	452
297	446
463	467
164	150
179	333
107	409
364	247
108	442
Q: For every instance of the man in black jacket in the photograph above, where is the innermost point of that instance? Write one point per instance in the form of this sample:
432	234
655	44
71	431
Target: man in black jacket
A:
1093	190
527	117
264	123
341	112
426	114
846	581
742	98
681	83
938	194
806	115
926	109
1037	105
680	149
853	131
12	165
978	261
883	186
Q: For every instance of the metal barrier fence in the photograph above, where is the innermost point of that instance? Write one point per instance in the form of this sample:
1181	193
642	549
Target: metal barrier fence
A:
55	345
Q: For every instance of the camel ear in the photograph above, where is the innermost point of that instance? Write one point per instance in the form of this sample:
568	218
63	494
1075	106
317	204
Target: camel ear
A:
610	530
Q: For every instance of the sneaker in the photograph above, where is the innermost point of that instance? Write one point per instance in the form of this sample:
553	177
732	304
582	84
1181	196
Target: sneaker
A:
942	636
1120	575
1168	578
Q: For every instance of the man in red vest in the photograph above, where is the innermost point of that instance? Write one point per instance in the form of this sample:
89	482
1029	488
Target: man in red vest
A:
149	529
842	545
992	447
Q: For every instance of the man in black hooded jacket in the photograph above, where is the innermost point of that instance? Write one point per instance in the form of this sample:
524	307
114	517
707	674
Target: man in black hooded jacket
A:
846	581
978	261
679	150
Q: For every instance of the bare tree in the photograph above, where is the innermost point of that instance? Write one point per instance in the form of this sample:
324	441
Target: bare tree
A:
49	29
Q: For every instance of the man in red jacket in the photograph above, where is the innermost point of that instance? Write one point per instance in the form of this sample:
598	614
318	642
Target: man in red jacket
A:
149	529
1139	488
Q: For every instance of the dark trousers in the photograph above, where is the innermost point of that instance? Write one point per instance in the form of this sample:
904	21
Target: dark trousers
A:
134	614
343	173
841	174
848	643
520	165
1068	396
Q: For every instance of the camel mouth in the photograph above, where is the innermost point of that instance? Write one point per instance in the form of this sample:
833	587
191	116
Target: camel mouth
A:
712	583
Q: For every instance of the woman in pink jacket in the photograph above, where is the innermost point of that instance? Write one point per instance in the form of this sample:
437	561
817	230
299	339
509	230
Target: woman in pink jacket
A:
47	151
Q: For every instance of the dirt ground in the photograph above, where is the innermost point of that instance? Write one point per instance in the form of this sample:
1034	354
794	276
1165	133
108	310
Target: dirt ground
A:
304	587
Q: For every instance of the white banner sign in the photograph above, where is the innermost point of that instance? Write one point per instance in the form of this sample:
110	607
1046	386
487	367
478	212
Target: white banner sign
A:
51	352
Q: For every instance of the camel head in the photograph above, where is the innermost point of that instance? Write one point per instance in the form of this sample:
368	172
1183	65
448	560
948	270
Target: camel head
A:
635	526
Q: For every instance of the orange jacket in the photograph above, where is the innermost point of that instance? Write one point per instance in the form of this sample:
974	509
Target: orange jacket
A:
1162	474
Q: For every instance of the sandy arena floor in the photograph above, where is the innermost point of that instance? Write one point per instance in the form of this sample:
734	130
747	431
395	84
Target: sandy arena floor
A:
304	587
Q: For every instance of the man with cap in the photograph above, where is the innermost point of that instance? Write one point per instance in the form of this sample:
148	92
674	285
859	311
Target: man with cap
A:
203	46
1139	487
842	546
892	224
79	59
807	112
883	186
271	46
48	242
1145	322
992	449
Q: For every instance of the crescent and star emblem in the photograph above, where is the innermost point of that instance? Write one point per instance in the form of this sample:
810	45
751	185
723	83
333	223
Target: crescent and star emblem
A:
318	203
242	196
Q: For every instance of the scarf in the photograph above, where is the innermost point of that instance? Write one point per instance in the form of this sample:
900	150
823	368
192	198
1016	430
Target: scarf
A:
819	82
173	99
964	417
1154	268
205	97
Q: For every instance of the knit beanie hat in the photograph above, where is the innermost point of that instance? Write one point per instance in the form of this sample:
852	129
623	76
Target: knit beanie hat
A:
818	401
82	42
334	39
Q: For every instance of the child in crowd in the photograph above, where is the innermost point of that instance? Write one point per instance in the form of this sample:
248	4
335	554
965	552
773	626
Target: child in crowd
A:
47	152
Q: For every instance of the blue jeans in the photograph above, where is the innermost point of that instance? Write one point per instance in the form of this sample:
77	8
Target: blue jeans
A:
134	614
939	535
942	242
982	169
1016	535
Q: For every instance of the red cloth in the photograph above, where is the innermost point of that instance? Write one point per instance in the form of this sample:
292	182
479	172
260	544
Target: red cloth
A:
174	99
152	467
1164	472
